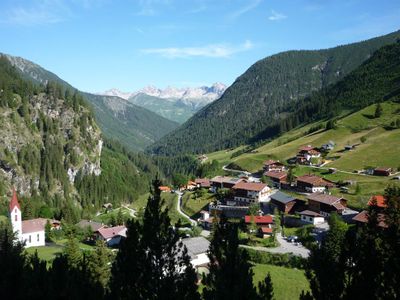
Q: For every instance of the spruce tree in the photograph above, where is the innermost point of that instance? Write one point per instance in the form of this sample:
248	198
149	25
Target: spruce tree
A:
326	268
378	111
265	288
231	276
152	262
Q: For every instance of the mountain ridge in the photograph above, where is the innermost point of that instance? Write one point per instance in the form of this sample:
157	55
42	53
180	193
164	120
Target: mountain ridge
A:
118	118
265	94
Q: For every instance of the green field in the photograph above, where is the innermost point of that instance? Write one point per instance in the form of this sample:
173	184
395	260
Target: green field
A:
45	253
288	283
379	149
192	206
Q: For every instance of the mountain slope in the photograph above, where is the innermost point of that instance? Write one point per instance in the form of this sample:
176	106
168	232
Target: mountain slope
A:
133	126
53	153
265	94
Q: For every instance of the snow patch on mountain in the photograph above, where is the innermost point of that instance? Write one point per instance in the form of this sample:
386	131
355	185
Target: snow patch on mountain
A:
203	94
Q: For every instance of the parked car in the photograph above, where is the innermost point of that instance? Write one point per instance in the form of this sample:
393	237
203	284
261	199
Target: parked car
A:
292	238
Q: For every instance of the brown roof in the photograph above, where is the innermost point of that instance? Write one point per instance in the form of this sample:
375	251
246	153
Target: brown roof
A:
108	233
383	169
314	180
310	213
164	188
324	198
34	225
226	179
363	218
276	174
306	148
250	186
94	226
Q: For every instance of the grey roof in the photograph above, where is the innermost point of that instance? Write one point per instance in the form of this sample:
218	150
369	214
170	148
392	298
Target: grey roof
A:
282	197
87	223
196	245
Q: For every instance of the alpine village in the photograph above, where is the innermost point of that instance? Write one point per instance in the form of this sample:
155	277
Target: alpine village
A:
284	184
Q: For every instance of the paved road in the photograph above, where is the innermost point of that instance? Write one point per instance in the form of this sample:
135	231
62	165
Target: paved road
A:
178	208
285	247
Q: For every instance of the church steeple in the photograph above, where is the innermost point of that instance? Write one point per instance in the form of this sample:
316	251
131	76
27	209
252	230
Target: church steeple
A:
14	201
15	215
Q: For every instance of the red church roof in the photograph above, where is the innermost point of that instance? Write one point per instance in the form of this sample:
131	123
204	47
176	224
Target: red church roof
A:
259	219
14	201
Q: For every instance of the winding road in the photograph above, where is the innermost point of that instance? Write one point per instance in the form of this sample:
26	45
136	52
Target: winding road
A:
178	208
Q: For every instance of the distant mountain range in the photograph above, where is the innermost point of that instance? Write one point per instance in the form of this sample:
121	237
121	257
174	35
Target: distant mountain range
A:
133	126
273	90
176	104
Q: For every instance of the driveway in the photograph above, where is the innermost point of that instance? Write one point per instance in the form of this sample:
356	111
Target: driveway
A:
178	208
284	247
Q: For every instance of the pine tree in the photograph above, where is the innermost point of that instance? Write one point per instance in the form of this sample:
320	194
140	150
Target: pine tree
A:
231	276
265	288
152	263
98	265
378	110
72	252
327	260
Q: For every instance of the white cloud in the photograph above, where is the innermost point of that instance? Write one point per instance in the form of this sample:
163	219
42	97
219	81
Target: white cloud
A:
236	14
215	51
275	16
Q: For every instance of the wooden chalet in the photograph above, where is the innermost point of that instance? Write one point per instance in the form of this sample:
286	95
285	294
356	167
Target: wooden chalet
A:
382	171
277	177
286	203
312	184
272	165
326	204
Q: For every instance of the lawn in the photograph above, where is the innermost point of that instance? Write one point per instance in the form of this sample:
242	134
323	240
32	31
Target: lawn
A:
288	283
192	206
47	253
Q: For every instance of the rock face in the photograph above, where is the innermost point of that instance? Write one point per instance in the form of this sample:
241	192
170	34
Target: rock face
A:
45	142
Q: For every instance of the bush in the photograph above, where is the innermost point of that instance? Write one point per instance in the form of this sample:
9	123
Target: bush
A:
284	260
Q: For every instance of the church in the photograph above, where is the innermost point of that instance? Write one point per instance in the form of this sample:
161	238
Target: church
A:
30	232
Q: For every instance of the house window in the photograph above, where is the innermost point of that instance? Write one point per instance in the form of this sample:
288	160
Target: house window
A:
30	240
38	237
16	217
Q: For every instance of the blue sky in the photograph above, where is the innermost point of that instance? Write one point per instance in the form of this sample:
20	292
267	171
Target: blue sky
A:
100	44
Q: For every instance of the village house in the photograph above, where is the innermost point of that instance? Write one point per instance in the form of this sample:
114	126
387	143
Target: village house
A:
85	224
251	192
30	232
263	223
229	211
326	204
312	184
205	219
306	154
277	178
191	185
272	165
311	217
285	203
382	171
202	183
164	189
197	248
112	235
219	182
379	203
